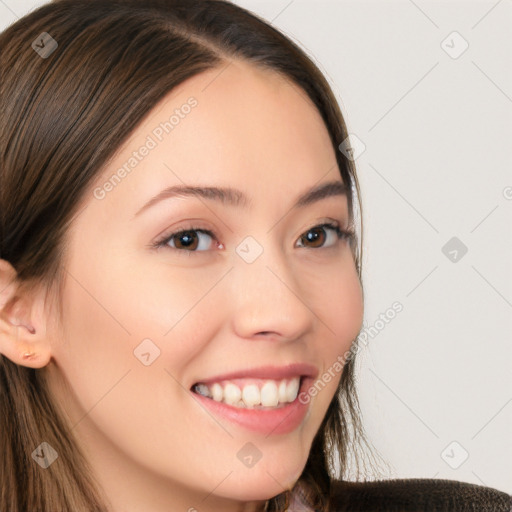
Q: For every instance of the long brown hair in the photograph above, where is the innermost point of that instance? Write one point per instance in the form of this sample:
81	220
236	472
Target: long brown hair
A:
63	116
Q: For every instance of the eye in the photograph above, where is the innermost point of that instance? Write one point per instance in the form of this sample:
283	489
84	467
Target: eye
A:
317	235
187	240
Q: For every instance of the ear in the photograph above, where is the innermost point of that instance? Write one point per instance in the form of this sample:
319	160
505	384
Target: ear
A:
22	322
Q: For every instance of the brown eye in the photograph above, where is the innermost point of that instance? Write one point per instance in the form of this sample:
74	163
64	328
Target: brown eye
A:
186	240
315	236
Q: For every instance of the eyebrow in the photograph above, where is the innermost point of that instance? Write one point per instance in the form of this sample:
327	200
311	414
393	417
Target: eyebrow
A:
233	197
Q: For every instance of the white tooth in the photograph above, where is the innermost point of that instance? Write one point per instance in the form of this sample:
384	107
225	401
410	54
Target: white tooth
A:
251	395
269	395
202	389
292	389
232	394
282	391
217	392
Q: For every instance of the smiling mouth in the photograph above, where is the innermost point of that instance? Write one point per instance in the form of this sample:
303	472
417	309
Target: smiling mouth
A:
252	393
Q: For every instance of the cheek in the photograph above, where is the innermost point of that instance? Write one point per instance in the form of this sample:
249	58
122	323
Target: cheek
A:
113	391
340	309
95	350
109	325
338	303
116	323
348	310
159	293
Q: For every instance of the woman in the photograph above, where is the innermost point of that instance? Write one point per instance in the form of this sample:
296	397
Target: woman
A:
180	271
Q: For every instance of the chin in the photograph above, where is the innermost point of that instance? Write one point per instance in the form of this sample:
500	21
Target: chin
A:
255	490
263	482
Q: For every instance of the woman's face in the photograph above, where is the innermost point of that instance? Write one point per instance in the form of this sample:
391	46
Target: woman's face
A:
232	309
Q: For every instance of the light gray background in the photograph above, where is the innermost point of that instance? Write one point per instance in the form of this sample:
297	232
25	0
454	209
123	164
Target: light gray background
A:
435	382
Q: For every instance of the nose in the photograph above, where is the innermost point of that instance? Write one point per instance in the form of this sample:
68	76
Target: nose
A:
267	299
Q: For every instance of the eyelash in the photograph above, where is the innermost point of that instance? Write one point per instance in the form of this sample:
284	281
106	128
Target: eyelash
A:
163	242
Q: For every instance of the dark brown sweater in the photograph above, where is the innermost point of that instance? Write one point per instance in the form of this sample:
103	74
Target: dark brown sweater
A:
418	495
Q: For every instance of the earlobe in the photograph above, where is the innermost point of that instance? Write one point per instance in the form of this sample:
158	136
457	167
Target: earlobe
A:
21	340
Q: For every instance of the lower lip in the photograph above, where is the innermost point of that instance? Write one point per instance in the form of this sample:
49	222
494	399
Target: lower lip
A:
271	421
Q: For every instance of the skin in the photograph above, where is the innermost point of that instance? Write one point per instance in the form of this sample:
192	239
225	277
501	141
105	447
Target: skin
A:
148	440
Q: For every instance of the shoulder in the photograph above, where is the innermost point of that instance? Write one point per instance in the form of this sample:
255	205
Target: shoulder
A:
417	494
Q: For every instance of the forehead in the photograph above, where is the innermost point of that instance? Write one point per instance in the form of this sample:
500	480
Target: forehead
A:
237	126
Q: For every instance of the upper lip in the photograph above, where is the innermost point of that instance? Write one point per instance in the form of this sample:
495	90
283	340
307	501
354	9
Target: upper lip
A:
267	372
